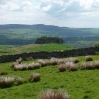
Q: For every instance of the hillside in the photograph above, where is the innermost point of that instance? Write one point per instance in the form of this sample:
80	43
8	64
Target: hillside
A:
79	84
18	34
32	47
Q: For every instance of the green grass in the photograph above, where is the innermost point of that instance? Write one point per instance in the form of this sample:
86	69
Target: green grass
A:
81	84
8	49
20	33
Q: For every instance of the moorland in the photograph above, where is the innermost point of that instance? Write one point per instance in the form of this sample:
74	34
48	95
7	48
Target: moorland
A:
77	76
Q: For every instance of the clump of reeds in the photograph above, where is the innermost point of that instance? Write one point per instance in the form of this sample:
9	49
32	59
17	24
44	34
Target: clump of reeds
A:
19	81
14	63
43	62
62	67
34	77
90	65
30	66
89	58
96	64
60	61
53	94
75	60
67	66
87	65
6	82
54	61
82	65
33	66
71	59
21	67
19	60
73	67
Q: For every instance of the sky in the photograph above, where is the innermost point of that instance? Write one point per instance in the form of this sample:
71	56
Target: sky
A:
63	13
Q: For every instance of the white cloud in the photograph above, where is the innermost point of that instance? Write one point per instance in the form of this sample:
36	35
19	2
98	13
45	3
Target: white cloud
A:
9	6
96	4
26	5
82	13
87	4
46	8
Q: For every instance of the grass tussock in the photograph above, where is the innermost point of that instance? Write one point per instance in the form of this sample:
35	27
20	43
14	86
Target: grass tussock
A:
89	58
96	64
71	59
87	65
67	66
20	67
73	67
20	81
34	77
54	61
33	66
43	62
19	60
14	63
6	82
90	65
76	60
53	94
30	66
62	67
82	66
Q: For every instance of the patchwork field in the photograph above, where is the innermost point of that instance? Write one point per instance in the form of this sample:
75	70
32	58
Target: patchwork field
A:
79	84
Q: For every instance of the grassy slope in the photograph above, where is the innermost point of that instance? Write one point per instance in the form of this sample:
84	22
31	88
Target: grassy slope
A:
32	47
27	34
20	33
81	84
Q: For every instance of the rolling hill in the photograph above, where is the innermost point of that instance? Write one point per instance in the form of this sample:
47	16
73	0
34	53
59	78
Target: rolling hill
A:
20	34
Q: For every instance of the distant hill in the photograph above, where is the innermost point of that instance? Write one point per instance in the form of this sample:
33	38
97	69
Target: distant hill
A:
49	29
20	34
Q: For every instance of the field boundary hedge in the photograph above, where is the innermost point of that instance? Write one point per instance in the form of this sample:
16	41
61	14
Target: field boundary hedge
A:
47	54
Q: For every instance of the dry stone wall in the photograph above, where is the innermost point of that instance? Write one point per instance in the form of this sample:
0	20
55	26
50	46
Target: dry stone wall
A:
47	54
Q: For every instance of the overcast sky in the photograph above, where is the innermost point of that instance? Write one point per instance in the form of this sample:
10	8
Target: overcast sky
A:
68	13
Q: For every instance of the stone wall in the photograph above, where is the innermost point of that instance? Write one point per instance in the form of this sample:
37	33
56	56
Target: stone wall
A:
47	54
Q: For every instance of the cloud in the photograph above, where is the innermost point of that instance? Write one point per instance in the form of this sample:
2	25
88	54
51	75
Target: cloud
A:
56	12
46	8
68	8
2	2
9	7
27	5
96	4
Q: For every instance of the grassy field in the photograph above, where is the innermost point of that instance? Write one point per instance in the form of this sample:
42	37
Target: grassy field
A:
10	49
20	33
80	84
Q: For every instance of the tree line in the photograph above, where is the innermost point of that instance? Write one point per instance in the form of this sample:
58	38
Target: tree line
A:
44	40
